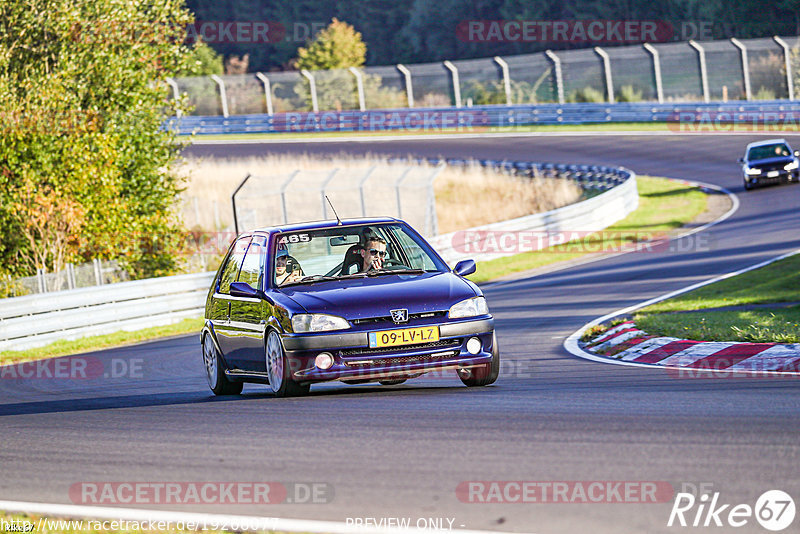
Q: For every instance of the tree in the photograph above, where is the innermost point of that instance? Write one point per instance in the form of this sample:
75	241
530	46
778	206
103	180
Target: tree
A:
84	161
338	46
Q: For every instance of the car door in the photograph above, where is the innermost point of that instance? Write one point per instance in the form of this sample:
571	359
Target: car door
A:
221	304
248	315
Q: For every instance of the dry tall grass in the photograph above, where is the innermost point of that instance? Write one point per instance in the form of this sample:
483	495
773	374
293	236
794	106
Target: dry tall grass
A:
465	196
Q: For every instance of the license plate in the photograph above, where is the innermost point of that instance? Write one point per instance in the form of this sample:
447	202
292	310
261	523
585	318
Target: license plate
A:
406	336
772	174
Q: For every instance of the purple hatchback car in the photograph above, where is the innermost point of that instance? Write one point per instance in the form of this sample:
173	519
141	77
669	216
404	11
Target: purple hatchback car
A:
361	300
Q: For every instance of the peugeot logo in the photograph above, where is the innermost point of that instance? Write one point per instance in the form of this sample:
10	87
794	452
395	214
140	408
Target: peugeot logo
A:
399	316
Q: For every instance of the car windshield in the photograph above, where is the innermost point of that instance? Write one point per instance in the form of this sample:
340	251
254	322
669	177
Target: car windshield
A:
778	150
308	256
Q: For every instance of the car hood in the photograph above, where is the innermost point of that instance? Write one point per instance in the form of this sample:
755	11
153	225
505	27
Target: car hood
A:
359	298
770	161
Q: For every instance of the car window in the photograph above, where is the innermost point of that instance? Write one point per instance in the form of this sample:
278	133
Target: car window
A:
233	264
778	150
252	266
337	251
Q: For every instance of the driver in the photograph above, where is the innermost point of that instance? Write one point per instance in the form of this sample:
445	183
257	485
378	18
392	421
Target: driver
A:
282	276
373	254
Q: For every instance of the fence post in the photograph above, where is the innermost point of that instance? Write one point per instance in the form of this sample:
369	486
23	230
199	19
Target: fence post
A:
233	203
787	59
701	55
656	71
559	75
267	91
322	192
98	273
362	105
456	85
70	276
176	94
284	185
607	68
223	96
397	191
431	219
40	281
506	78
361	189
313	88
409	89
745	66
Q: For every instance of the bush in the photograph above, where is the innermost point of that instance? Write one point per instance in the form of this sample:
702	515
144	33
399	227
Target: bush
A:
627	93
587	94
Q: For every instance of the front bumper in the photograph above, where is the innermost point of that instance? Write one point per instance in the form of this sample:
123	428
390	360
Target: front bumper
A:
355	360
765	178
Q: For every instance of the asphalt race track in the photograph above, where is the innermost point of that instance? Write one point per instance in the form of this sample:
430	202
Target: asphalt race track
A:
402	451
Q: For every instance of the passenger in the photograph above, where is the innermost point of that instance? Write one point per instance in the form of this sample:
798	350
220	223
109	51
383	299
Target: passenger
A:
373	254
282	275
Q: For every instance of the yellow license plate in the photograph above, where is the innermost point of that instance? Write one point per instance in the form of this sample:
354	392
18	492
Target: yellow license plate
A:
406	336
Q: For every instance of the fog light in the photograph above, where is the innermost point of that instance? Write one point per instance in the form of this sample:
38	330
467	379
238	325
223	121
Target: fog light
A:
324	360
474	345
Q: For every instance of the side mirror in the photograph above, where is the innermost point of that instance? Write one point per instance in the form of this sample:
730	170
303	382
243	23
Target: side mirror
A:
245	290
465	267
741	160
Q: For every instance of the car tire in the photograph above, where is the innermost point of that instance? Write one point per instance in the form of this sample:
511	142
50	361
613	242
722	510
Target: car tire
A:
747	186
215	371
278	372
485	374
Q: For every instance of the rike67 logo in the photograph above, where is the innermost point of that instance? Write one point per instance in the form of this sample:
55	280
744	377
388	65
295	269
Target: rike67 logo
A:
774	510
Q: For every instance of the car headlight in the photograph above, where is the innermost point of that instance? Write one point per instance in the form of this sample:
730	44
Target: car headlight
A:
469	308
750	170
318	322
791	166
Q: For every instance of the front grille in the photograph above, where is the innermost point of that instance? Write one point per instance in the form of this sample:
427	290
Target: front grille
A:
402	360
388	318
366	351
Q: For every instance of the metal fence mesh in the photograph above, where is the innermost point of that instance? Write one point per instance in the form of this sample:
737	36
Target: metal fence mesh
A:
680	72
532	79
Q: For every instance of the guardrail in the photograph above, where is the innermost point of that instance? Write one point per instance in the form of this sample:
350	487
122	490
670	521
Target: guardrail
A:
620	197
678	117
36	320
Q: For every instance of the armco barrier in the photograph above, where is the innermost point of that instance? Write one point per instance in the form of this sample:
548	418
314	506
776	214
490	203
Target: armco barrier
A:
678	116
36	320
619	199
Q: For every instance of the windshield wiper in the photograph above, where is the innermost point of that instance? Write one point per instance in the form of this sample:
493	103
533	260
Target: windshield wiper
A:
395	271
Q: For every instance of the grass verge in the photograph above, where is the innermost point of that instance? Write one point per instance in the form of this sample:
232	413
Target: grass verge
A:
775	283
88	344
664	205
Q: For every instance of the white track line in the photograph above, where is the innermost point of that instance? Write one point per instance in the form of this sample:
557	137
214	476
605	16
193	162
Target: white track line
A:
198	139
571	343
215	521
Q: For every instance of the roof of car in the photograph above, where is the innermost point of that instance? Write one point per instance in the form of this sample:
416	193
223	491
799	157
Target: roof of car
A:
767	142
315	225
